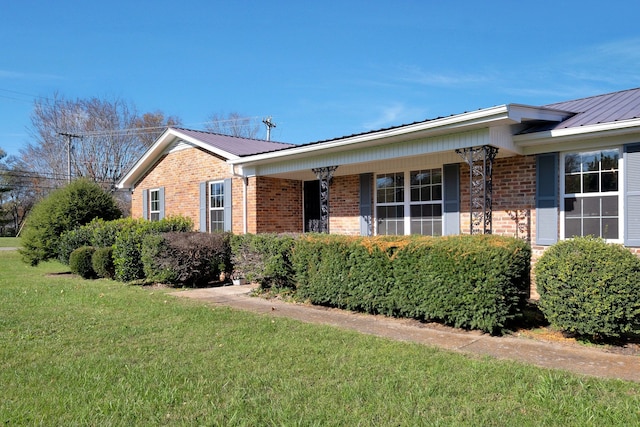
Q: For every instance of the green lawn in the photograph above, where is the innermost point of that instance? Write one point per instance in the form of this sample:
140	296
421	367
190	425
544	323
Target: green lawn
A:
10	242
75	352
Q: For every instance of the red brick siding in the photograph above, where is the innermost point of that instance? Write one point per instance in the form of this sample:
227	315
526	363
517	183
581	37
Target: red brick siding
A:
180	173
344	205
277	203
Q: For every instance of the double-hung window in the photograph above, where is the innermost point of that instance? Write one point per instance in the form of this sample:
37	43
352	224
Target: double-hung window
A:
216	206
591	194
154	205
409	209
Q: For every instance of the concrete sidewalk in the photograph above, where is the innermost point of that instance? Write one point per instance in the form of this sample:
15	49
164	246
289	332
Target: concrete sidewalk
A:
574	358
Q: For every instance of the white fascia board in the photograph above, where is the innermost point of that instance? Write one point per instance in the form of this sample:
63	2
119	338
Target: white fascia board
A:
456	123
587	131
521	112
158	148
204	146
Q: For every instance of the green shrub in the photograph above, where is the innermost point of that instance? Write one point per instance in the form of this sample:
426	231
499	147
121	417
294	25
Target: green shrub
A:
102	262
128	243
477	282
80	262
263	259
185	259
63	210
72	240
590	288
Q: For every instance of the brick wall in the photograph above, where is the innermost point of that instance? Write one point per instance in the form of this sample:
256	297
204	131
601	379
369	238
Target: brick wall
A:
180	173
344	205
277	204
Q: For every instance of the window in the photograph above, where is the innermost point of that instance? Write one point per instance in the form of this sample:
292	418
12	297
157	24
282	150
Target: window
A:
421	200
216	206
591	194
154	205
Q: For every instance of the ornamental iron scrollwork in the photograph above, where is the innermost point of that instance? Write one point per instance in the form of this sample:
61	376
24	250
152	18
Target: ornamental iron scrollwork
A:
324	175
480	161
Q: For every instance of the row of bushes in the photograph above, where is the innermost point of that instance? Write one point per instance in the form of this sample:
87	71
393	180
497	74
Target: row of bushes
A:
477	282
586	287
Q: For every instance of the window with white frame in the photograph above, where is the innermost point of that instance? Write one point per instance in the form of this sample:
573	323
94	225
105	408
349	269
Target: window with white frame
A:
216	206
412	209
591	194
154	205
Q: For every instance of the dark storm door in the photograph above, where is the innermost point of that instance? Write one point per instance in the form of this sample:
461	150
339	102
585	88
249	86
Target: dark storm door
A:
312	206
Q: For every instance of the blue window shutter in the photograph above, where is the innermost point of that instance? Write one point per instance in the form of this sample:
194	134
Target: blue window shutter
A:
547	199
365	203
227	205
203	207
161	201
145	204
631	158
451	192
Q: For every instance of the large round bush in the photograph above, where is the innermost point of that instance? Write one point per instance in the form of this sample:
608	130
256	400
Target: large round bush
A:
64	209
590	288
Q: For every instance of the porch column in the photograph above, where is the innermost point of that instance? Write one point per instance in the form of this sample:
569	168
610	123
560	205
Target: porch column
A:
480	161
324	175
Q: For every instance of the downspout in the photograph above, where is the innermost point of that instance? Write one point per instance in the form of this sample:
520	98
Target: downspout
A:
245	184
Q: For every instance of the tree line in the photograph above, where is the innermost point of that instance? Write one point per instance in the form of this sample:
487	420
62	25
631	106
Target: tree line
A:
94	138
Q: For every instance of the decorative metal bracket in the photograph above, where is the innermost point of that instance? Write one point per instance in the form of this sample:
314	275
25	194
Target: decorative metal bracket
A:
480	161
324	175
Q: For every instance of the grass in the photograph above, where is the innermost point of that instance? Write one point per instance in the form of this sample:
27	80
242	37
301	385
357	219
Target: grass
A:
76	352
10	242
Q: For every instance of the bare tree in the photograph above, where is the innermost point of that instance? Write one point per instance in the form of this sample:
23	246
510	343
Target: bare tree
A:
19	190
102	137
151	126
234	124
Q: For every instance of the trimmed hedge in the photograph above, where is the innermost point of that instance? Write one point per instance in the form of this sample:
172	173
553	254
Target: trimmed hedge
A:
186	259
80	262
102	262
263	259
128	243
476	282
590	288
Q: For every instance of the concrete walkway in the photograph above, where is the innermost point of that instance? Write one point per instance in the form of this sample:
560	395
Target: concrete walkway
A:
570	357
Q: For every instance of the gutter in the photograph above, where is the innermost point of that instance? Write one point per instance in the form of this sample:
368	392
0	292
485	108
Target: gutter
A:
245	184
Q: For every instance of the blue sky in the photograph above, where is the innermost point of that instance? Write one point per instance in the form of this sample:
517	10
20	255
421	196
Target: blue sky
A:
321	69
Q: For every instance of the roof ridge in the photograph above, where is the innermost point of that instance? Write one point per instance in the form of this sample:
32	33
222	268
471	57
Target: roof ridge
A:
592	96
228	136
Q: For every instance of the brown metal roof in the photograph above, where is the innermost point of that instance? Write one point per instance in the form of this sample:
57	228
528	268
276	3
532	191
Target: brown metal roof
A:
235	145
610	107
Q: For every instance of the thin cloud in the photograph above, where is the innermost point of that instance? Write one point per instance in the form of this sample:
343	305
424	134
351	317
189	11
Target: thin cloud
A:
417	75
394	115
19	75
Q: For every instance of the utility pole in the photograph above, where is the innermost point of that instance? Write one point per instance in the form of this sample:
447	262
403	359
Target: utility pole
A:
269	124
69	136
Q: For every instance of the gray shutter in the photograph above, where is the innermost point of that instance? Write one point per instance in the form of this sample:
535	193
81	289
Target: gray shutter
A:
203	207
145	204
451	192
161	201
365	203
632	195
228	226
547	199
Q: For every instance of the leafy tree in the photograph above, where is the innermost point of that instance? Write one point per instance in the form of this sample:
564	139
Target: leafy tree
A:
64	209
233	124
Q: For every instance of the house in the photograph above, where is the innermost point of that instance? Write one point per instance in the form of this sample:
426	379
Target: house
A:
542	173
